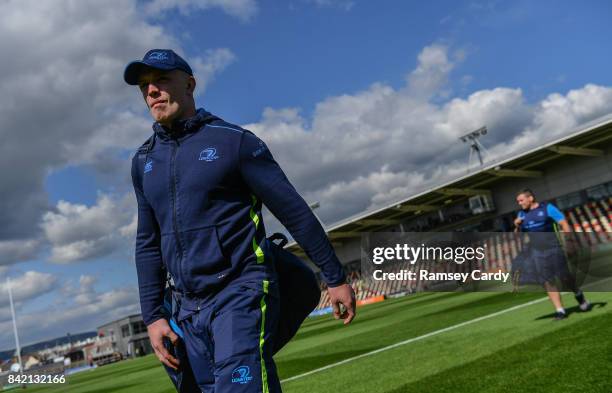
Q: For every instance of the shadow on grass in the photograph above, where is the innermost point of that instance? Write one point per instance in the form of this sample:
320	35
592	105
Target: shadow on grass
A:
398	331
290	367
327	324
569	311
575	358
103	374
492	303
133	387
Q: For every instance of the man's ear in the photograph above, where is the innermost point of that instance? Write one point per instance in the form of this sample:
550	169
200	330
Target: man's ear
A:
191	85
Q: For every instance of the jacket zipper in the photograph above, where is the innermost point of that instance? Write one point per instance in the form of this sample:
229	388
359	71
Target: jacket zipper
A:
177	235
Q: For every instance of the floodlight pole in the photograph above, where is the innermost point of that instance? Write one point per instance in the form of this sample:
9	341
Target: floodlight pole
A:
314	206
475	145
10	292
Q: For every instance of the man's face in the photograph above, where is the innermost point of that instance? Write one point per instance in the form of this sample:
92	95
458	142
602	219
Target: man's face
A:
524	200
167	93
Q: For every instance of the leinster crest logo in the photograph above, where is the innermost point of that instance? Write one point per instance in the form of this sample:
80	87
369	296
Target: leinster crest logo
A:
241	375
209	154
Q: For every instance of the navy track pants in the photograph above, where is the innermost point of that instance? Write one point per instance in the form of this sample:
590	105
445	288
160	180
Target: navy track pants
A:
228	342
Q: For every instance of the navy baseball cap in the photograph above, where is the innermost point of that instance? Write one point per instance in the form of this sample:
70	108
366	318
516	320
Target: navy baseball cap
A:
161	59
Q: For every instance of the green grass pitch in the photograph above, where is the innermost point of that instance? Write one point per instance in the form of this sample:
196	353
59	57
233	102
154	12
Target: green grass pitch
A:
522	350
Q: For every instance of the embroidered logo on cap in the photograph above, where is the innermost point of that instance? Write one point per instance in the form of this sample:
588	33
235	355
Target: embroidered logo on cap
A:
158	56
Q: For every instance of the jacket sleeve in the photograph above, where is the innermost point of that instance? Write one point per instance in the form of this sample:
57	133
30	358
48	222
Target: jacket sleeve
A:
268	181
149	266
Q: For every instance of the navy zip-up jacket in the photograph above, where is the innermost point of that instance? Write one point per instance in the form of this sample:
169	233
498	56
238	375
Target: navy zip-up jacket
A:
199	194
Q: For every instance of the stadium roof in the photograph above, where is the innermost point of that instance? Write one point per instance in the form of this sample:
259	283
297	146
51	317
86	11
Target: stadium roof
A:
582	141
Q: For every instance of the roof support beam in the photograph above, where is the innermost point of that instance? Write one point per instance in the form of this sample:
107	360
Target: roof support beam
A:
343	235
577	151
463	191
416	208
377	222
514	173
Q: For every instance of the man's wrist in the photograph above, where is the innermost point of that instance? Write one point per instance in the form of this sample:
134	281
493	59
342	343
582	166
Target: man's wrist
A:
336	284
152	320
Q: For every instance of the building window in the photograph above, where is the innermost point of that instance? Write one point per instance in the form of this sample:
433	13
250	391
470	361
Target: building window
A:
139	327
125	330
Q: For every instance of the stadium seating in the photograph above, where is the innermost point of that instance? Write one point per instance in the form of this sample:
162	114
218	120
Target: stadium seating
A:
592	219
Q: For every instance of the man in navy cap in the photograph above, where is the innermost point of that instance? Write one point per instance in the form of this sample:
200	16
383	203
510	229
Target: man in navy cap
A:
200	190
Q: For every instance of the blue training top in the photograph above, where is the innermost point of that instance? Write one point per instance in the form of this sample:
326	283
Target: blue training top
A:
540	219
200	193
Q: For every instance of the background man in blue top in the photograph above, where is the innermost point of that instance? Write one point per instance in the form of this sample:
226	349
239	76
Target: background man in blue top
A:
200	193
546	252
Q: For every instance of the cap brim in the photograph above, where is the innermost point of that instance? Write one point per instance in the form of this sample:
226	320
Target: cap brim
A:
135	68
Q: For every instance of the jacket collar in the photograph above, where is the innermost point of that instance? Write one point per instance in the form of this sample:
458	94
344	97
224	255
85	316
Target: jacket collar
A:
183	127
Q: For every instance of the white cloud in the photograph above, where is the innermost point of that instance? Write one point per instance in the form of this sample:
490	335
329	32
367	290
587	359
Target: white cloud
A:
12	251
242	9
72	316
69	105
84	294
345	5
129	231
558	114
77	232
363	150
28	286
85	114
432	71
213	62
376	188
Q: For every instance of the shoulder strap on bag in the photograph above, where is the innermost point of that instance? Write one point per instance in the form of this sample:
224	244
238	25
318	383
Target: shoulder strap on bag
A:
278	236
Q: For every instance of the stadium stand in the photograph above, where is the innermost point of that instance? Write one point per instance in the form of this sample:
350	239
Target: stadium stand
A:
574	172
591	218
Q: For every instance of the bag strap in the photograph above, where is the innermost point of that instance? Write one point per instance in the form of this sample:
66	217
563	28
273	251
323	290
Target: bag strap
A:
278	236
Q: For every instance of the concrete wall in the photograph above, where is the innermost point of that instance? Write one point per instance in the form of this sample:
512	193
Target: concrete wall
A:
563	176
122	344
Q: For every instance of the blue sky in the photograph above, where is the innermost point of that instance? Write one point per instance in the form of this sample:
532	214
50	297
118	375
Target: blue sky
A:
297	57
336	88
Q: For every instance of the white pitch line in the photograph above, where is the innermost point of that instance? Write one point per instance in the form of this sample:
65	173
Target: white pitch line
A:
424	336
446	329
411	340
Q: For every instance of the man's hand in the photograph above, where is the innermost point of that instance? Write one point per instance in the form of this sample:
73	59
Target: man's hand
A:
518	222
343	295
157	331
571	245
